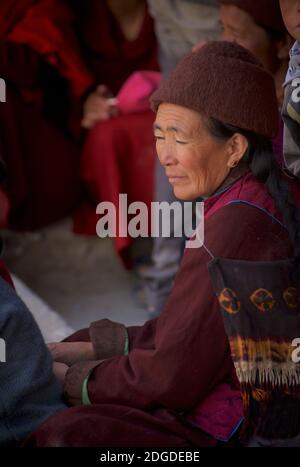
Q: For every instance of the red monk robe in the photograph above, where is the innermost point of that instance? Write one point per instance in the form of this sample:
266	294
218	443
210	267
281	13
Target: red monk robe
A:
118	157
40	62
147	397
110	57
119	154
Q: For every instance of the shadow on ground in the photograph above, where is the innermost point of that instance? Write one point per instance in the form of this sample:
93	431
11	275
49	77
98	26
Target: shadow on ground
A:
79	277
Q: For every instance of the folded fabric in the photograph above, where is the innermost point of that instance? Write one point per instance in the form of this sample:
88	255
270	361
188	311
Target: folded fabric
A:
220	414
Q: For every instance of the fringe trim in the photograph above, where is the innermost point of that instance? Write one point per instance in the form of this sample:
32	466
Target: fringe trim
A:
259	373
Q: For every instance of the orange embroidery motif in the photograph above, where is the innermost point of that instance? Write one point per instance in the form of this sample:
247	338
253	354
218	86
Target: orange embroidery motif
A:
291	297
263	300
260	394
229	301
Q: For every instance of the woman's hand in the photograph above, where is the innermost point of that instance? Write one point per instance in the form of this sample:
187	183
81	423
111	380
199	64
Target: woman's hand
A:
99	106
70	353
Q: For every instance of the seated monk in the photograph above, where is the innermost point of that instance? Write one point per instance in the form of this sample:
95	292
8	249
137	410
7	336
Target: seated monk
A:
117	38
217	366
118	155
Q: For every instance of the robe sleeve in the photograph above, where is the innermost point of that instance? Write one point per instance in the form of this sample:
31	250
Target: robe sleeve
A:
189	354
110	338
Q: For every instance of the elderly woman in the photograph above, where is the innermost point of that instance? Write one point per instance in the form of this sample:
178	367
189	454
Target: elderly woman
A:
226	332
257	26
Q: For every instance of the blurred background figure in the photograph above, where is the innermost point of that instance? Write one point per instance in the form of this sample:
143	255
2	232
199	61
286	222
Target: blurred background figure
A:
117	39
260	29
62	62
45	75
179	24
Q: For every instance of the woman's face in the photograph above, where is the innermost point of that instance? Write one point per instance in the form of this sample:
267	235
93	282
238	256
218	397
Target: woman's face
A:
238	26
195	163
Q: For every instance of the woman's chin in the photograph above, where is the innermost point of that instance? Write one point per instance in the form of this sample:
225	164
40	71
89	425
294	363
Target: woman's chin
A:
184	194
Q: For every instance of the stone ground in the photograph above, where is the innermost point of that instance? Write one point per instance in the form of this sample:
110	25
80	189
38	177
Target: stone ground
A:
68	280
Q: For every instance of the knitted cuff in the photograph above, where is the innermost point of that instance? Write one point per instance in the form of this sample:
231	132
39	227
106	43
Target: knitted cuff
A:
108	338
75	377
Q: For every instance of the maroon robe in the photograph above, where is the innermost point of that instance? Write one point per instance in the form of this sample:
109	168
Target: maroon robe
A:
175	362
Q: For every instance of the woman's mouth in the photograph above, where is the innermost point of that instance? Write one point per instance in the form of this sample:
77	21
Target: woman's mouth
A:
176	179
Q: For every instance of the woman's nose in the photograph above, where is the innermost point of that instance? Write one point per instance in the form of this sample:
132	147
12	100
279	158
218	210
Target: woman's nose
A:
165	156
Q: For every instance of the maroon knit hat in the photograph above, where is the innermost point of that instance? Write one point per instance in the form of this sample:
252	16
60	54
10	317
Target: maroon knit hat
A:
266	13
224	81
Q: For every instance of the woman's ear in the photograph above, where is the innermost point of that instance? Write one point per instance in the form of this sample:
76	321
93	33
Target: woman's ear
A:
284	46
237	148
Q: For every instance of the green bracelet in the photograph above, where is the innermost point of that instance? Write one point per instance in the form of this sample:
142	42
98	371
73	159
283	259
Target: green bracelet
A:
85	392
126	345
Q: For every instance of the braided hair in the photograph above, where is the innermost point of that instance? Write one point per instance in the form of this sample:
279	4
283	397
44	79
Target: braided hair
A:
261	161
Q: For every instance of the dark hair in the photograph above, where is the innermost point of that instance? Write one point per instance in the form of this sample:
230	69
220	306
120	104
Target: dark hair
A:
262	163
274	36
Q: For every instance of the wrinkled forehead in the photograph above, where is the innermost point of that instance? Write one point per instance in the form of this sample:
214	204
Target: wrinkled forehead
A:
171	117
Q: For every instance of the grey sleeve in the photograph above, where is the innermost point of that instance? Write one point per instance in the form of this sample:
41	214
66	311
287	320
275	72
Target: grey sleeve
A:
29	392
180	24
291	117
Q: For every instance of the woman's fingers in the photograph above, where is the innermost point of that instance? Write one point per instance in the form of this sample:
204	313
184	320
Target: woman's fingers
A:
60	370
58	351
51	346
71	352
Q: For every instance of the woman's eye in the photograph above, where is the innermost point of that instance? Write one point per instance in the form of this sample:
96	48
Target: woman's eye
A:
159	138
180	142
